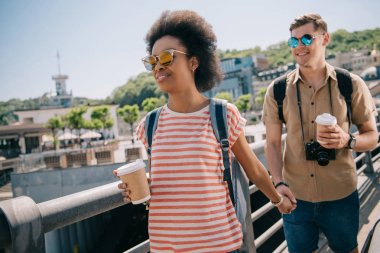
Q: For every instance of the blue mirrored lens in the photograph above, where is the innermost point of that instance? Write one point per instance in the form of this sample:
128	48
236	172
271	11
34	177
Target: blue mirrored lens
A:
307	39
293	42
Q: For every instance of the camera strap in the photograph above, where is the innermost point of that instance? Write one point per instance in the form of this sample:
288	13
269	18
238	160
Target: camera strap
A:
300	109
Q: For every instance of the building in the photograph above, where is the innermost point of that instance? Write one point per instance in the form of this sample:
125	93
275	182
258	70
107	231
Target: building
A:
264	78
238	73
26	135
357	60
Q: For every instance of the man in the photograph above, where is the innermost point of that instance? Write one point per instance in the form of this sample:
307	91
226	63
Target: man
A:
325	197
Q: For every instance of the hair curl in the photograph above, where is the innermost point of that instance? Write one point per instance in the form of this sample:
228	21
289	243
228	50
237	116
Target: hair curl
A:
199	39
315	19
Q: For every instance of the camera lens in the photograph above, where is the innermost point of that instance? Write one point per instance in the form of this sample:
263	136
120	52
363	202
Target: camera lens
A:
322	158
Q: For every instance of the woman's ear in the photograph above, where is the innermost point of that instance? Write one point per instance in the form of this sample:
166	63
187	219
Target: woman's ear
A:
194	63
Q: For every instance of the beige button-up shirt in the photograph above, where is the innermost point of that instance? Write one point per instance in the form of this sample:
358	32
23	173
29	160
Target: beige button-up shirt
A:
307	180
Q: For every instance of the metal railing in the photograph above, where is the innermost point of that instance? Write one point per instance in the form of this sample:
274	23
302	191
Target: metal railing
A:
23	223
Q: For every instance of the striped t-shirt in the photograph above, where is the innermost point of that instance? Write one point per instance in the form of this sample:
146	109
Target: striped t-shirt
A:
190	208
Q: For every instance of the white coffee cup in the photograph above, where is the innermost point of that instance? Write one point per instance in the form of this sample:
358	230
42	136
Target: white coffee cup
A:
133	174
323	121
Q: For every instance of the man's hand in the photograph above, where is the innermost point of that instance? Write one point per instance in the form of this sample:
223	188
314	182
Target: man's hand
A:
290	202
333	137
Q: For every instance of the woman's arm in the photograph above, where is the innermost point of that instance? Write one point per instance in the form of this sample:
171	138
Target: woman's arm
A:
258	174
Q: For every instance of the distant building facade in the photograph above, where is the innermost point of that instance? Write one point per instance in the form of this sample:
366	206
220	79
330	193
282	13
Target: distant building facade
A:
357	60
238	73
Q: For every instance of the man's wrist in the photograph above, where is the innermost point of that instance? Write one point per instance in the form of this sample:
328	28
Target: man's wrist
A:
280	183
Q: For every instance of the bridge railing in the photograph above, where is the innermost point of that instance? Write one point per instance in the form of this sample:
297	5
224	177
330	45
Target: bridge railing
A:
23	223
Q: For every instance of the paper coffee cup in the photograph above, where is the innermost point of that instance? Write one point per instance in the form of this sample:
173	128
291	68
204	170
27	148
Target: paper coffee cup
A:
323	120
133	174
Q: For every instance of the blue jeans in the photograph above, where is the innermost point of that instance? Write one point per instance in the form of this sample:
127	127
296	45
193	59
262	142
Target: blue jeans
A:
338	220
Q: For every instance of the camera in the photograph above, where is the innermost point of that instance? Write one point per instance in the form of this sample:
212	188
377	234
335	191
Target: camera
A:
314	151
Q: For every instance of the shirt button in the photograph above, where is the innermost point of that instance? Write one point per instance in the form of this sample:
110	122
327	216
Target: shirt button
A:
312	122
312	103
310	87
312	175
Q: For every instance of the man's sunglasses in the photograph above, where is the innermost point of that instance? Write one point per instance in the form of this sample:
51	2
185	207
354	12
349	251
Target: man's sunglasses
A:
165	58
307	39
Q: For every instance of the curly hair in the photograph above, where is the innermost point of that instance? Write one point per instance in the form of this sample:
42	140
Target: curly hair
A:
315	19
199	39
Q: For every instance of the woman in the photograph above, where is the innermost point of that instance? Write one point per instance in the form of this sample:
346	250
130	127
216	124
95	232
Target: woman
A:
190	208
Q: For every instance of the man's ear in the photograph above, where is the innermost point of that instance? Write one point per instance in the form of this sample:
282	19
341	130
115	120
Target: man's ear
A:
326	39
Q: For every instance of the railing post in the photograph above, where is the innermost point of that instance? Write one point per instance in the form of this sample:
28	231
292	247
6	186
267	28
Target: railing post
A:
24	225
368	161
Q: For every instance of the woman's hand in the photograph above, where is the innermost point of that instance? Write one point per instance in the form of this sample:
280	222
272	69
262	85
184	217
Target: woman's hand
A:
289	203
286	206
125	190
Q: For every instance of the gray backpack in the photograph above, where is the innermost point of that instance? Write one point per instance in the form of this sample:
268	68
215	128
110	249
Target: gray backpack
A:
234	175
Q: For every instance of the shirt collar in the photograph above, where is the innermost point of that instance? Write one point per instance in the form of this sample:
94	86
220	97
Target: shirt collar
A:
330	72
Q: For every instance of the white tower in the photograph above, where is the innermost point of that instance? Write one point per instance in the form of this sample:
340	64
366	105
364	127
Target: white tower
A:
60	80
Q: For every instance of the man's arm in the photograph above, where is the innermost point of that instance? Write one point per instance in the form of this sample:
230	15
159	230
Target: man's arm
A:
273	153
366	140
368	136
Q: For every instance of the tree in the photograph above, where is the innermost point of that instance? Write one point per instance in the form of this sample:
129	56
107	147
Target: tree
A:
101	118
75	119
136	90
150	104
54	124
224	95
243	103
130	114
259	99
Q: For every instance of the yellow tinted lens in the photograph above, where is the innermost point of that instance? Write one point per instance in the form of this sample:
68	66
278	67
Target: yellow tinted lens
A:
152	60
165	58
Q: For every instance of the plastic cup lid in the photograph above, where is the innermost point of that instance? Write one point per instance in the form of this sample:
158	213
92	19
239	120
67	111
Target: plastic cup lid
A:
326	119
130	167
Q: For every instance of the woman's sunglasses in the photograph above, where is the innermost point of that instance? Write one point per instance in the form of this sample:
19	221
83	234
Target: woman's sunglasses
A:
165	58
307	39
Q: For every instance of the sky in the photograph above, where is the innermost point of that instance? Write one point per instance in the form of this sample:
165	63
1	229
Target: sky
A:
101	43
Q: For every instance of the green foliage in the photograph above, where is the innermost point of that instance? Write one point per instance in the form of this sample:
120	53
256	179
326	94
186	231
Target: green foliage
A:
344	41
7	108
101	117
77	101
259	99
238	53
278	54
224	95
136	90
53	124
150	104
130	114
243	103
91	124
6	115
75	118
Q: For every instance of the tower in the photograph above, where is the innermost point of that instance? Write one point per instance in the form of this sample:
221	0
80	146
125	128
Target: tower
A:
60	80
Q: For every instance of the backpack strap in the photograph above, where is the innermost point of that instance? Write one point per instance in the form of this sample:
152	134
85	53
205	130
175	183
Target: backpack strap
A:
218	114
345	88
151	121
279	90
